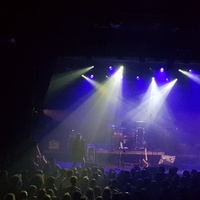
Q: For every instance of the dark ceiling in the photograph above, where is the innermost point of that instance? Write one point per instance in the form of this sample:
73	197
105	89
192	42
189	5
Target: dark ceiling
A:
142	28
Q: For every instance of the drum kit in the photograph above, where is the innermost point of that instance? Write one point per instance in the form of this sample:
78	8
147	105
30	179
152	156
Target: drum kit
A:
129	138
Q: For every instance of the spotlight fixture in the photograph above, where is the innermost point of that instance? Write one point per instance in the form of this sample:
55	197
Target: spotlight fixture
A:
110	68
161	69
91	76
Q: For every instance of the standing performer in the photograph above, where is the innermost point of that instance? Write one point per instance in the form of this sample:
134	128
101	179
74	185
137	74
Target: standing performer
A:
78	150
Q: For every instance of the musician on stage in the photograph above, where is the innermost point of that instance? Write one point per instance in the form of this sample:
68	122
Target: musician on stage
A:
78	150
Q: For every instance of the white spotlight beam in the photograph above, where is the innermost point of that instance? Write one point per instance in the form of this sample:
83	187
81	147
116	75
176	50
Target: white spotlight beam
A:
92	82
97	104
194	77
159	98
152	101
60	81
144	110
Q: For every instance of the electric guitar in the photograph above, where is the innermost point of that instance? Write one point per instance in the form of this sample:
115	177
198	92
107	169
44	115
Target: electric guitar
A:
145	160
41	158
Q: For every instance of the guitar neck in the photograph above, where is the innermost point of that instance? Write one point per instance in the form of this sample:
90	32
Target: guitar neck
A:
145	154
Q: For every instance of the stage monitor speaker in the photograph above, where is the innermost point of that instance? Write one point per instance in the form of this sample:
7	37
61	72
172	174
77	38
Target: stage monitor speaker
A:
167	160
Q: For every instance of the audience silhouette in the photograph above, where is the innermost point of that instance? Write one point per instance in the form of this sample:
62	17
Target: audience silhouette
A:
94	182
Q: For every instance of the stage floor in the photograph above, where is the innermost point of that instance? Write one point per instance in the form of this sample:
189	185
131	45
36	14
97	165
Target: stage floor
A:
181	166
125	160
130	152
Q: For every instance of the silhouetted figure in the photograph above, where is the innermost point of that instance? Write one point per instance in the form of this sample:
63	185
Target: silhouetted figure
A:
9	196
90	194
32	192
50	184
73	187
66	181
15	186
78	151
66	196
107	193
24	195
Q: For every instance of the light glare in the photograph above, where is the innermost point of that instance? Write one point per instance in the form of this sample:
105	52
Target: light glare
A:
111	68
162	70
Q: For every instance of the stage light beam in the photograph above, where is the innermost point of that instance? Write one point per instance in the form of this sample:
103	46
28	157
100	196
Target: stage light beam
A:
119	74
192	76
60	81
